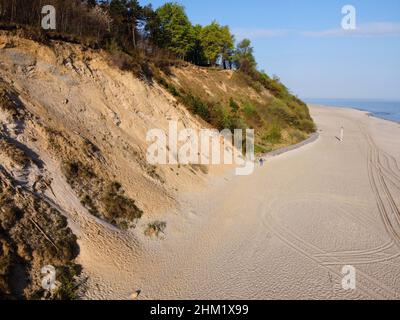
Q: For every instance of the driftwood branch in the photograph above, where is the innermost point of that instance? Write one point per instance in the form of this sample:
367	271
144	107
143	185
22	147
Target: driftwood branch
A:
44	233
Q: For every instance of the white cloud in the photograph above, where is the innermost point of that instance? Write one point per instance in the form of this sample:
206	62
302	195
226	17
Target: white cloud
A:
254	33
373	29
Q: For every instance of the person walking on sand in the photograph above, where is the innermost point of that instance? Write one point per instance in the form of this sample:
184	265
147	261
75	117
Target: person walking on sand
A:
262	162
341	134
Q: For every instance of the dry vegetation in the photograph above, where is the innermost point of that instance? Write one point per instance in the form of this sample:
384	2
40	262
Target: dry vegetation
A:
17	155
10	104
102	197
32	235
155	229
32	232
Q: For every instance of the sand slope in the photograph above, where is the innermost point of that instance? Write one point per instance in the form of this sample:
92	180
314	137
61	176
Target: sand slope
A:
283	233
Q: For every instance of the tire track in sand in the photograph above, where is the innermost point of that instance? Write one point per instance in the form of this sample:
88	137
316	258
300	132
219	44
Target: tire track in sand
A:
319	256
389	212
366	284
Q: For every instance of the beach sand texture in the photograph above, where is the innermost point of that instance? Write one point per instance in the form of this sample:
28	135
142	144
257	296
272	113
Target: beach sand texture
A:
284	232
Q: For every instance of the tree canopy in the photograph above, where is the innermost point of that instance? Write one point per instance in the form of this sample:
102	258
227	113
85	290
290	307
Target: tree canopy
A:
175	30
129	26
217	42
244	56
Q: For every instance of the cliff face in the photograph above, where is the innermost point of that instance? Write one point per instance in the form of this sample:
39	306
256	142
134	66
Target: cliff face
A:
95	114
73	137
73	144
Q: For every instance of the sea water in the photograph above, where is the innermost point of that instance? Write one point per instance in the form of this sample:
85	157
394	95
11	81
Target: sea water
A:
384	109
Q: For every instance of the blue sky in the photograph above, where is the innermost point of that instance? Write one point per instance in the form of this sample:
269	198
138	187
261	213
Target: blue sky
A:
302	42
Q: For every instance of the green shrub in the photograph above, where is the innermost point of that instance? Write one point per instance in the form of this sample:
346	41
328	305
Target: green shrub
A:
118	207
172	90
69	286
197	106
233	105
274	135
259	149
155	228
221	118
248	109
297	135
88	203
282	112
307	126
170	87
76	171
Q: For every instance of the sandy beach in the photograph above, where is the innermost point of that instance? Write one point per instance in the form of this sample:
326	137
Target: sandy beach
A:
284	232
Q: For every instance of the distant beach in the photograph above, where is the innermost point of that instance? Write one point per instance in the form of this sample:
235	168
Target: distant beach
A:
384	109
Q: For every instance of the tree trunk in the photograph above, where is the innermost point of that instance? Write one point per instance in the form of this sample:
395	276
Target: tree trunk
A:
134	36
224	64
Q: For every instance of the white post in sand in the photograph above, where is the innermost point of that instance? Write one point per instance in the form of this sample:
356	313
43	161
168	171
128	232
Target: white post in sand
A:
341	134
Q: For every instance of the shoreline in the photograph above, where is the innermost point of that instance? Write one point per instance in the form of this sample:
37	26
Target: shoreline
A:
316	135
367	112
370	114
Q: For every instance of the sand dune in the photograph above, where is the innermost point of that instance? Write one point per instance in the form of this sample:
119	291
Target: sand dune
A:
283	233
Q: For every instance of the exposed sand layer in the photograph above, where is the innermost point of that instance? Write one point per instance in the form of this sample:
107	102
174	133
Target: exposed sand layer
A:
78	93
283	233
